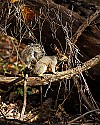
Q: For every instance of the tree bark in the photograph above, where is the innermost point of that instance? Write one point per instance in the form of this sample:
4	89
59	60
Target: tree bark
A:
33	81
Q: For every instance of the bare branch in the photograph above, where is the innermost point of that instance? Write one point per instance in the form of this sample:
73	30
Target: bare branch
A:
85	25
74	120
25	98
33	81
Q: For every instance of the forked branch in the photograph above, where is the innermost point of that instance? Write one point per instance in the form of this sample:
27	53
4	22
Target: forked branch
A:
85	25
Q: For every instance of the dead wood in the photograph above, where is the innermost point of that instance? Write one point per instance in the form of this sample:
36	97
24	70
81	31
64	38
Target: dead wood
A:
91	105
33	81
13	122
25	98
74	120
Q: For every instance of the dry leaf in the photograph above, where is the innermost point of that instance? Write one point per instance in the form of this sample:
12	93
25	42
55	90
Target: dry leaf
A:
27	13
13	1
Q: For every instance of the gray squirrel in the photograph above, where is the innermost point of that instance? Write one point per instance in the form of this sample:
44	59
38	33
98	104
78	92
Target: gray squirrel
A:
34	53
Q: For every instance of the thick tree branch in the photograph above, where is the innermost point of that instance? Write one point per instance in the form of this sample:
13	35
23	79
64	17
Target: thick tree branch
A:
85	25
33	81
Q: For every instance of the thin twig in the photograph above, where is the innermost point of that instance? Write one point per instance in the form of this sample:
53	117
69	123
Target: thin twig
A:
25	98
74	120
3	114
84	97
